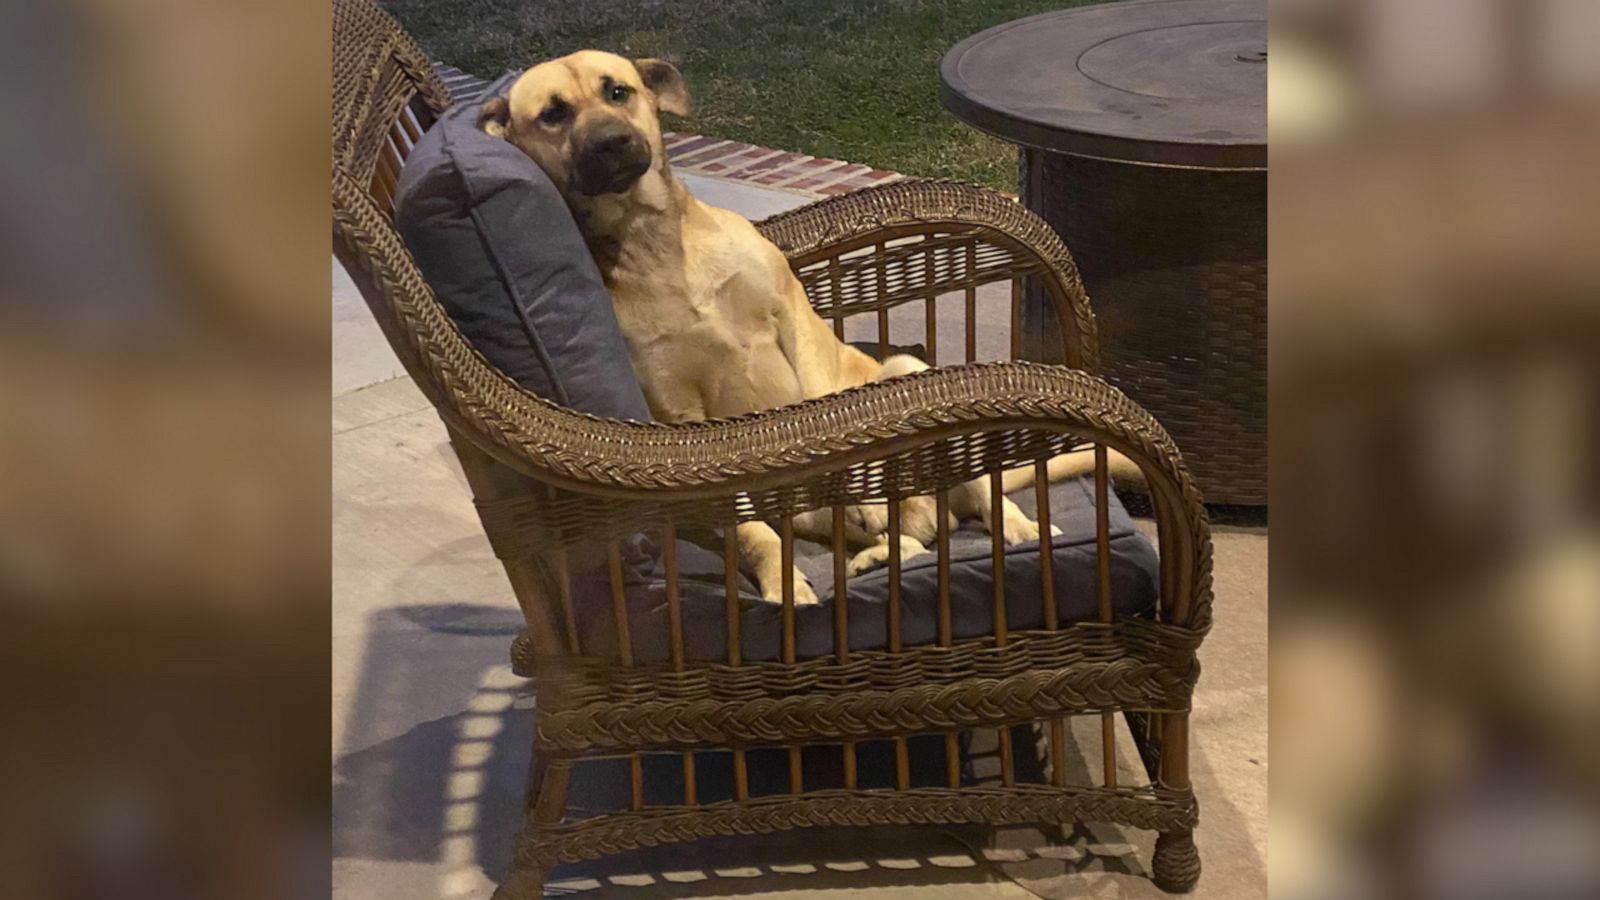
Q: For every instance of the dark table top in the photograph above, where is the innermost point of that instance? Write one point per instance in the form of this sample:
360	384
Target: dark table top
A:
1166	82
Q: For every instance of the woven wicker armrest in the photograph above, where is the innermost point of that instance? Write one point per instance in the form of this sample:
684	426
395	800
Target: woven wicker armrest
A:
914	435
931	237
790	444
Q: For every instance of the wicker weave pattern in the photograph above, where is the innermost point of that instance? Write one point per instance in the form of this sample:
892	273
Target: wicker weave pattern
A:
377	69
552	485
969	703
1151	808
1177	258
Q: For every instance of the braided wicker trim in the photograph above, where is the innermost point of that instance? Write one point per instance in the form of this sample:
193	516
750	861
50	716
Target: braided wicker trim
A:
1152	808
1080	688
575	681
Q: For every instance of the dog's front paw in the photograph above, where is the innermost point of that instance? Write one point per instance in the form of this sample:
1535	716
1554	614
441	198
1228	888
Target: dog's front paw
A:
1019	529
803	594
772	589
878	554
873	556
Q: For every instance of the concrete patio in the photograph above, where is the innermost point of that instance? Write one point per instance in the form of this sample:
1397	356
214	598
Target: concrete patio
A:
431	730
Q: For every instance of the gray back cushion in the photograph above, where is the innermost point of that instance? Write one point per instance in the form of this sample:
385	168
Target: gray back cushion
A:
498	246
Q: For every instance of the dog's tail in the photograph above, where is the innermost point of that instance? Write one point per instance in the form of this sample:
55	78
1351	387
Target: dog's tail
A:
1071	465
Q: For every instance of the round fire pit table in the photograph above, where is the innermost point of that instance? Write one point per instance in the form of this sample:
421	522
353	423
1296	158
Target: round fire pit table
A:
1143	135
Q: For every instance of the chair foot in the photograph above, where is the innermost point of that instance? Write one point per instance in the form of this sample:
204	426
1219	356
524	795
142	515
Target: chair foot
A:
521	884
1176	866
522	662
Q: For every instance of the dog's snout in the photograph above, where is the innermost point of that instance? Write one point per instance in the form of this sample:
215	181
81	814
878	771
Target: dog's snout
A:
612	156
614	142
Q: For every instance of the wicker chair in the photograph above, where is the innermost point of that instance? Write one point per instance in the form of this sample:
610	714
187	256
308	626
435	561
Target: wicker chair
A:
551	484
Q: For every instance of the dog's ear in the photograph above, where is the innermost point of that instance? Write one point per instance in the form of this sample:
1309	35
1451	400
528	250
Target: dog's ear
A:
666	82
495	116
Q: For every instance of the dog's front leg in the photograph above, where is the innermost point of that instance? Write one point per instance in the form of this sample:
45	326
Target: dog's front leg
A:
763	549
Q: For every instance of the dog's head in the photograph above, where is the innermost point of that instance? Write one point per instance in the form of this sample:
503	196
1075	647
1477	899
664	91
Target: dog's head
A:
590	120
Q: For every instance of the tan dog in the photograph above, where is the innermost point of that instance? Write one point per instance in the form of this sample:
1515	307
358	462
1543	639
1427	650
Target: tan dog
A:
717	325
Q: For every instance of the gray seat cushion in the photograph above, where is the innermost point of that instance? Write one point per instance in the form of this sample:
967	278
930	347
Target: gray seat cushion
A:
1134	574
499	247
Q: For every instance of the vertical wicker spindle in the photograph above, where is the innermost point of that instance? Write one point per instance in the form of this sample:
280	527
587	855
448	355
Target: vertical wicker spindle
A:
841	629
669	561
786	536
931	313
952	749
902	758
730	583
1047	591
1164	602
838	298
972	302
408	121
1102	556
619	610
997	543
1016	318
883	314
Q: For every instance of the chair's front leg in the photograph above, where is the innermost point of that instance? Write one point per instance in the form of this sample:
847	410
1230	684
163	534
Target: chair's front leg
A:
547	806
1176	865
521	884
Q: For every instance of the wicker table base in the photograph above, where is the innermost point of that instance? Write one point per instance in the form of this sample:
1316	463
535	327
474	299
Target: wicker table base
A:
1175	261
1143	129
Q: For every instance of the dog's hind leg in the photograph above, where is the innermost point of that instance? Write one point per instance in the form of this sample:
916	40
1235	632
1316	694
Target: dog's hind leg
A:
1073	464
761	547
970	500
817	525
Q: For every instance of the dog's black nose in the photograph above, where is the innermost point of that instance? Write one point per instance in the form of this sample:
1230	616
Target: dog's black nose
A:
611	143
612	158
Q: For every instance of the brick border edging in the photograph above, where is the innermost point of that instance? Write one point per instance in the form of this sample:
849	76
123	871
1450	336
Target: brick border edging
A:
776	169
712	157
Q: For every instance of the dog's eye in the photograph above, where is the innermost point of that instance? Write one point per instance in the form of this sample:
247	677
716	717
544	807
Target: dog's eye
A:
618	93
556	113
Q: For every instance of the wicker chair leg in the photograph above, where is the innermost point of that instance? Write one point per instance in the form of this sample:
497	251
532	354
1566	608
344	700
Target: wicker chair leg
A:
521	884
1176	866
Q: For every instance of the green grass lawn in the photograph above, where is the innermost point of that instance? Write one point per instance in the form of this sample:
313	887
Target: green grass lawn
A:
848	79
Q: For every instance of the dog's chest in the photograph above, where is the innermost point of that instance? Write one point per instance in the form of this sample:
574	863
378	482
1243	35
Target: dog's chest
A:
713	308
713	334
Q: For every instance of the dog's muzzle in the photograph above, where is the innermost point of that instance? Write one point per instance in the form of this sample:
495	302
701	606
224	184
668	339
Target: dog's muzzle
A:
612	158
